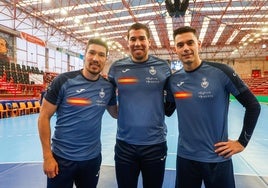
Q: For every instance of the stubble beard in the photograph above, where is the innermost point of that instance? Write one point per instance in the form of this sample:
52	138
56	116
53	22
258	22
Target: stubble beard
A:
139	56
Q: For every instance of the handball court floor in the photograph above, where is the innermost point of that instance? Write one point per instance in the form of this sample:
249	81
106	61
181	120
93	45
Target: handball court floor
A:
21	155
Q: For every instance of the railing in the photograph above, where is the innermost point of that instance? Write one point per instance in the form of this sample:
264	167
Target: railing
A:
8	90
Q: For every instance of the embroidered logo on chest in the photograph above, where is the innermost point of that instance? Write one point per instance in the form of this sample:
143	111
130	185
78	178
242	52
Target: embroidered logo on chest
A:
204	83
102	93
152	70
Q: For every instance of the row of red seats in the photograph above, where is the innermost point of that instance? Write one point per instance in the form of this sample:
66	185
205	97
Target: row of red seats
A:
258	86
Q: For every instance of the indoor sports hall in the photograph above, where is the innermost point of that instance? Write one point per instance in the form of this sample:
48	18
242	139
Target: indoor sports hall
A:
40	39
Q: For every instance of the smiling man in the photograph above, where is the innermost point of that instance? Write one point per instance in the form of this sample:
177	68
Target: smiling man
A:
141	134
201	91
79	99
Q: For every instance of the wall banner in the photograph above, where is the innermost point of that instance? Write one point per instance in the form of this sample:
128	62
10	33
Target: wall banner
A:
32	39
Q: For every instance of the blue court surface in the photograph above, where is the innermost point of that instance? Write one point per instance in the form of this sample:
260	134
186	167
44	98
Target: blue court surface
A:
21	155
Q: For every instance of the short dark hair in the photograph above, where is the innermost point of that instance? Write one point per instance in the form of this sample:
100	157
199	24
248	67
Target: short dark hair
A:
98	41
182	30
137	26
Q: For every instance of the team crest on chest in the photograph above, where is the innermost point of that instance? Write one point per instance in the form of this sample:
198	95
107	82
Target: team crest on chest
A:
204	83
102	93
152	70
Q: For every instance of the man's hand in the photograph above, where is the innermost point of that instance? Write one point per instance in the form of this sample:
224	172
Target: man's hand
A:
50	167
227	149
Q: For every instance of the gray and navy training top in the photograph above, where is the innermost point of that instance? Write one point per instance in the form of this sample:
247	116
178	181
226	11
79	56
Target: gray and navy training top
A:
81	104
202	102
141	99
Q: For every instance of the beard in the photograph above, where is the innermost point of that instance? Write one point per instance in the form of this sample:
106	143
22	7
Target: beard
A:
94	72
139	56
93	69
188	62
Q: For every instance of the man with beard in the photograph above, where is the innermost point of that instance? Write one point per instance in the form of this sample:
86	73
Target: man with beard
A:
79	99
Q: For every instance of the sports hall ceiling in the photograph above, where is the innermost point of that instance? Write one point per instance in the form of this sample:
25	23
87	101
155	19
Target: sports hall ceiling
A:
228	29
